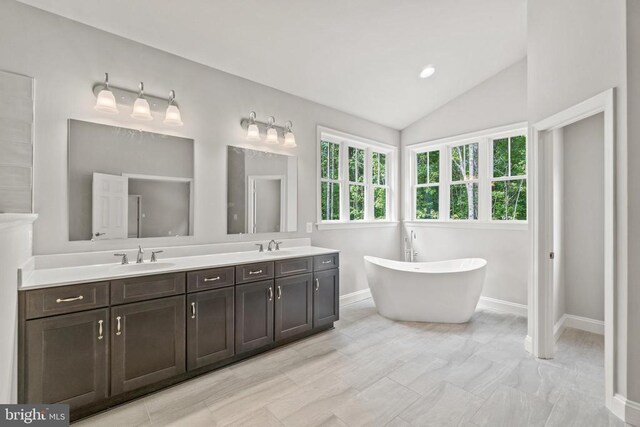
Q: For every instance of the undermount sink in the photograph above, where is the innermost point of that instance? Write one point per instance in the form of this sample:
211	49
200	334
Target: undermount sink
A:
126	268
279	252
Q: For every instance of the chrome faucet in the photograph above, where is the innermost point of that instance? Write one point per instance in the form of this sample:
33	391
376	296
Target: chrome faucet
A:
276	244
409	253
260	247
140	258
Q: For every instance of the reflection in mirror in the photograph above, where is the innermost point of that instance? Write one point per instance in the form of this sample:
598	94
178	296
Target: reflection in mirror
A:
262	192
125	183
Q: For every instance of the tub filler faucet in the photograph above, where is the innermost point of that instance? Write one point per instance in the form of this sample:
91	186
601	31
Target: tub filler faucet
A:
409	253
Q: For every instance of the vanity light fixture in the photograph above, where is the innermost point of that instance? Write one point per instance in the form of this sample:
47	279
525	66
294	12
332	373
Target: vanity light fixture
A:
105	101
289	137
141	109
172	116
272	133
253	132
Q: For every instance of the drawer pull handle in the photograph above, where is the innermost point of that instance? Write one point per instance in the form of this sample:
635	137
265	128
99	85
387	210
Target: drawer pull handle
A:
317	284
118	332
100	336
328	262
255	272
270	293
279	292
79	297
211	279
193	310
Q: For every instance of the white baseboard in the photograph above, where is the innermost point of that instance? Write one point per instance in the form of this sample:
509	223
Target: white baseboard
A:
577	322
355	297
627	410
504	306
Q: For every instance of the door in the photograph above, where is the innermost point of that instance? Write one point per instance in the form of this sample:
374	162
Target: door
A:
133	217
266	204
148	342
109	206
210	327
67	358
254	315
294	306
326	292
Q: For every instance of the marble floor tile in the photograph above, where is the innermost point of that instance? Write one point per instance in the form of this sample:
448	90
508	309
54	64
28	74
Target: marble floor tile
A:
509	407
373	371
446	405
377	405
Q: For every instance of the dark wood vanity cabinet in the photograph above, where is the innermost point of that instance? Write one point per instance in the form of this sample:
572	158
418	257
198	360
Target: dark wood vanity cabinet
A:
210	327
254	315
95	345
293	306
67	359
147	342
326	297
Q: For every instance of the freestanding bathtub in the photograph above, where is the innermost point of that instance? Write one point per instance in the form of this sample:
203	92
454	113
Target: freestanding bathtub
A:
442	291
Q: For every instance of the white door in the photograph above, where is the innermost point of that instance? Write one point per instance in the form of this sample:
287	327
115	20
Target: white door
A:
110	206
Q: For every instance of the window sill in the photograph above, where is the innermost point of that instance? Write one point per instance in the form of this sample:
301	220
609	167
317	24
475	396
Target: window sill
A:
493	225
352	224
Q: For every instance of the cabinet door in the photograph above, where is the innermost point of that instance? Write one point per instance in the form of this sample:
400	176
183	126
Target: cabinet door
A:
148	342
254	315
67	358
210	327
294	305
326	292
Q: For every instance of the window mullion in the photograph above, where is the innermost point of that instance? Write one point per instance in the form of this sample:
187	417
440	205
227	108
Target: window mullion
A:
445	180
344	182
368	185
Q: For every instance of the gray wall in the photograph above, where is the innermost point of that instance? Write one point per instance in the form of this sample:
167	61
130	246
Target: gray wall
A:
67	58
236	192
583	226
114	150
501	100
575	52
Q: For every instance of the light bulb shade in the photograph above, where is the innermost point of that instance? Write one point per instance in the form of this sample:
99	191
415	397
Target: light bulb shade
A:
106	102
289	139
172	116
272	136
253	133
141	110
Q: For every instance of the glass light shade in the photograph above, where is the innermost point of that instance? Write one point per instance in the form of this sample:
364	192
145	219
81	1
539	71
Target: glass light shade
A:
141	110
289	139
253	133
272	136
172	116
106	102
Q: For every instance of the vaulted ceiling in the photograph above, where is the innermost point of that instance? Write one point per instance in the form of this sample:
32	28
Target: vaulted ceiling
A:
359	56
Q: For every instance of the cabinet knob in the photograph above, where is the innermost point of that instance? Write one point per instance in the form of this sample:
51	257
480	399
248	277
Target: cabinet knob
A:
317	284
270	292
100	336
193	310
118	330
279	292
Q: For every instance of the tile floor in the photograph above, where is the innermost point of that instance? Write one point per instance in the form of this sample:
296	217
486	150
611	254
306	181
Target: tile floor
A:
371	371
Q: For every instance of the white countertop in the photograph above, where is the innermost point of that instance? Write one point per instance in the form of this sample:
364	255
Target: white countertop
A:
42	278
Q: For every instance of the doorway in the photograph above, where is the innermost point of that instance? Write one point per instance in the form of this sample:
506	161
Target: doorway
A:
542	314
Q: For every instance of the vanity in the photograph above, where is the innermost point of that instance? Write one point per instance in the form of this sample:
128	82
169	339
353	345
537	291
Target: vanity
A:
97	336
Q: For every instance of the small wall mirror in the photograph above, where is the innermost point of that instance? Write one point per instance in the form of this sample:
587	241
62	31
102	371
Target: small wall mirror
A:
262	192
126	183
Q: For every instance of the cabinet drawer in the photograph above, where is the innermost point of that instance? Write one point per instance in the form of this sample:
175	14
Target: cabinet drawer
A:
289	267
147	287
254	272
66	299
326	262
210	279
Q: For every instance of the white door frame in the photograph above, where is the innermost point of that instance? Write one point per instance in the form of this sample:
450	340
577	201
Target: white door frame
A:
541	341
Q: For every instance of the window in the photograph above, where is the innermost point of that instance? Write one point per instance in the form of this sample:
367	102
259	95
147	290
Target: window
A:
463	190
427	192
509	179
478	178
354	180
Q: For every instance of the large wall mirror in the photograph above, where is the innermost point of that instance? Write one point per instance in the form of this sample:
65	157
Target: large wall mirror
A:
262	192
126	183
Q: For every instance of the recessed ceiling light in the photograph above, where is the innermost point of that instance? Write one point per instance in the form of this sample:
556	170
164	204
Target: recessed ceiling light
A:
427	71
